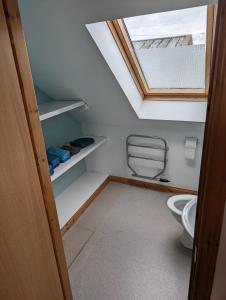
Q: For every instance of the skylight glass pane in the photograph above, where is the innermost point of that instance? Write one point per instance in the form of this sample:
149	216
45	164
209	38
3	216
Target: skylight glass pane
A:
171	47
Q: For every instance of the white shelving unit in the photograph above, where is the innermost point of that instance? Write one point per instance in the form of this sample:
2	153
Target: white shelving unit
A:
63	167
53	108
69	202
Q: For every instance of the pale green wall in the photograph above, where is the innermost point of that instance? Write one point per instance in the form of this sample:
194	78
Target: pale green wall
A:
56	131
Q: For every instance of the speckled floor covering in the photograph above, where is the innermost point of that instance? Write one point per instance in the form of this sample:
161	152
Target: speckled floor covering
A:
125	246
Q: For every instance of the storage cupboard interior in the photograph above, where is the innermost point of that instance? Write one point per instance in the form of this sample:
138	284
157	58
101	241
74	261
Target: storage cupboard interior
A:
72	184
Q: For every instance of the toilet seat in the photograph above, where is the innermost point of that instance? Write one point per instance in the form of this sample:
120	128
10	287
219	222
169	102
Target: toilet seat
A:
175	202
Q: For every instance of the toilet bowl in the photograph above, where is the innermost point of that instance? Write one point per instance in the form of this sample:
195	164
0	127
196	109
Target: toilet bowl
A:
176	204
188	217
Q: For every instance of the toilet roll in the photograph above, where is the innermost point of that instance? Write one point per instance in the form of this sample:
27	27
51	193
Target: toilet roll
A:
190	147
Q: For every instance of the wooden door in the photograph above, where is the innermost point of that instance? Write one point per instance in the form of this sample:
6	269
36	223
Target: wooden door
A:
212	187
28	268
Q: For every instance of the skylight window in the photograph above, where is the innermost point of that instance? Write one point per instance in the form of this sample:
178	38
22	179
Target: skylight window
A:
168	53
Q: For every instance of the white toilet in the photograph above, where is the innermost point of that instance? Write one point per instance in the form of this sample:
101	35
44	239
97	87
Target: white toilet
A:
176	204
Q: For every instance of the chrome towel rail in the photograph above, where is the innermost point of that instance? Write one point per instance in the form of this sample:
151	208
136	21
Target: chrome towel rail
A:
159	145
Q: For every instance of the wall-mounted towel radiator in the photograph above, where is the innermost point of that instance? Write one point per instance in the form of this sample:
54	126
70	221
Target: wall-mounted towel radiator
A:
151	142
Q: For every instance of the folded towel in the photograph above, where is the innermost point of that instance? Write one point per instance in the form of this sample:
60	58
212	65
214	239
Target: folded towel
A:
51	170
53	160
73	149
82	142
63	155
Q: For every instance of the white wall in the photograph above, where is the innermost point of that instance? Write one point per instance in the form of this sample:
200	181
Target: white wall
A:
111	158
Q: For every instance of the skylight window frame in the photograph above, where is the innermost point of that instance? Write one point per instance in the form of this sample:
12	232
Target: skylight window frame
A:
122	39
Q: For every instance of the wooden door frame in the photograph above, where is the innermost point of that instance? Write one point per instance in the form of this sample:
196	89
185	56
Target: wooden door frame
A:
18	43
212	187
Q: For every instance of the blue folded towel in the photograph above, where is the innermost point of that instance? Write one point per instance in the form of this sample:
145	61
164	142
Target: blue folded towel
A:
53	160
62	154
51	170
82	142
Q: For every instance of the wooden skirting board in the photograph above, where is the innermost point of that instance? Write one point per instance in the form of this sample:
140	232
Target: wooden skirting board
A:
123	180
151	185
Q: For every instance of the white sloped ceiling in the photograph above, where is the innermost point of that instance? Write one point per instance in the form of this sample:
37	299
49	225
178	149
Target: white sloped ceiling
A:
65	61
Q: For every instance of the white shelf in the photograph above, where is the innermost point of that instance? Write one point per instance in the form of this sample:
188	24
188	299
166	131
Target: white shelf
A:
63	167
77	194
53	108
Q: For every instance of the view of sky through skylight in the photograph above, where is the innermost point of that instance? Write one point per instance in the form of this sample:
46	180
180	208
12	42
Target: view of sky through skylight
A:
168	24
